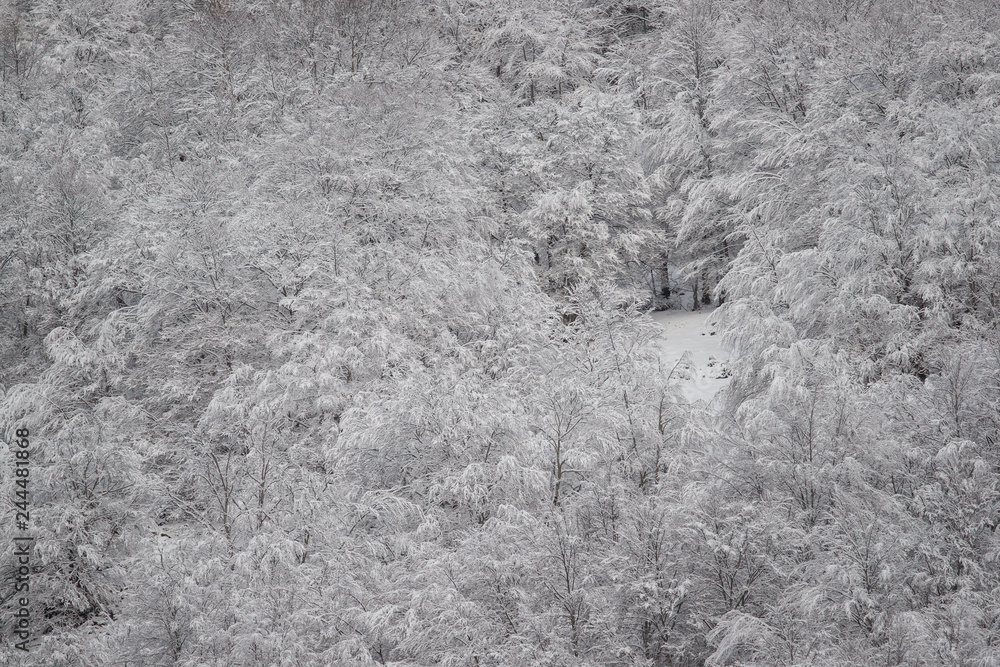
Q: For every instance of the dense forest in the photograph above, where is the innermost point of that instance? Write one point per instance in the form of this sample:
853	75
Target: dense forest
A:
330	322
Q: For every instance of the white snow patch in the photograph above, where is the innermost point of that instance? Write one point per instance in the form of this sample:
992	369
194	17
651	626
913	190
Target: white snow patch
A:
691	353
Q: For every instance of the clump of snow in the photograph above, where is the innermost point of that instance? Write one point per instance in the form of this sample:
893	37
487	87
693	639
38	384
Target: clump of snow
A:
691	353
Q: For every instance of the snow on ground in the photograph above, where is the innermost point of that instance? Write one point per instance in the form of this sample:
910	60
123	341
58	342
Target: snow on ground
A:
692	353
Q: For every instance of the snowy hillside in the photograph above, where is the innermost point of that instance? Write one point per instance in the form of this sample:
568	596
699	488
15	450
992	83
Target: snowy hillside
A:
692	353
325	333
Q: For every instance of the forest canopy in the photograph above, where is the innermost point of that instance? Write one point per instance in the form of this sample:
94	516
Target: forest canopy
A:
330	322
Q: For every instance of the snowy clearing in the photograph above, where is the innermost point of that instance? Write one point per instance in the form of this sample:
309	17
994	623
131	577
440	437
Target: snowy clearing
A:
692	353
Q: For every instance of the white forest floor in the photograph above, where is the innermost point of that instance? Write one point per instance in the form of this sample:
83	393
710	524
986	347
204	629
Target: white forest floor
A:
691	354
